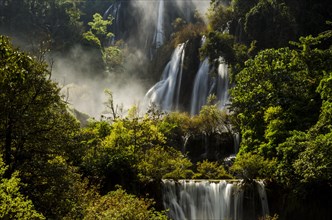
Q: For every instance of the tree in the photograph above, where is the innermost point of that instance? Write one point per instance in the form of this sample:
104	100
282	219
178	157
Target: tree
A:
14	205
115	159
251	166
119	205
282	77
36	130
211	170
31	108
314	163
273	18
163	163
98	33
242	7
56	188
35	21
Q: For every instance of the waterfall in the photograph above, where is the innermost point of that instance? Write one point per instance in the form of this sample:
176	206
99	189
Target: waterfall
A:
207	200
223	85
202	199
263	197
114	10
201	88
204	85
236	138
165	94
159	33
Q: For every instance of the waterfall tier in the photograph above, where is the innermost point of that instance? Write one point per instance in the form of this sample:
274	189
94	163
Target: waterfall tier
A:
165	94
214	200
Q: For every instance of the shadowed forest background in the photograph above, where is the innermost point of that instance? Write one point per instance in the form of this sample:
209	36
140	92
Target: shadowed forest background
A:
78	141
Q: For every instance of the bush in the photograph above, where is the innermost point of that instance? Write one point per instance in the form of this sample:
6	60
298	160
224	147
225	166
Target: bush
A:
189	31
251	166
163	163
14	205
211	170
119	205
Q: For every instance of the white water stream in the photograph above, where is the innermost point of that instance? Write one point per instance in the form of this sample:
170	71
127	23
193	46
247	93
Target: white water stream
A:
165	94
209	200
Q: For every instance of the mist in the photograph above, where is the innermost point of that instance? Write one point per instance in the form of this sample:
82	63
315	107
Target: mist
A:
83	83
83	86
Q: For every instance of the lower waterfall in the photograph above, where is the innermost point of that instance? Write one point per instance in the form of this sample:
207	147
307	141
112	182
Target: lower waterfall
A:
214	200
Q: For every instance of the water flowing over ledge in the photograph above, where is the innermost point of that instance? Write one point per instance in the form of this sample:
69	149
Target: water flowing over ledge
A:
214	199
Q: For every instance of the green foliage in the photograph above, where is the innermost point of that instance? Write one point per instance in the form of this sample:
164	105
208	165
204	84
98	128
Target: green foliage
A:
310	15
56	188
112	108
33	117
92	39
212	120
38	132
325	119
325	87
305	158
119	205
34	21
188	32
218	45
14	205
288	152
163	163
279	77
135	147
281	102
274	20
211	170
242	7
89	7
275	131
268	217
219	17
98	32
113	57
111	155
251	166
314	163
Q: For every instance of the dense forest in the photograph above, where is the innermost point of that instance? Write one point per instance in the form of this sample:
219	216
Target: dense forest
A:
59	163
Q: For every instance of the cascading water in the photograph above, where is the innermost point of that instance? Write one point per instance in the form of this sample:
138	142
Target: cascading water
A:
165	94
223	85
114	11
263	197
159	35
209	200
205	85
236	139
201	87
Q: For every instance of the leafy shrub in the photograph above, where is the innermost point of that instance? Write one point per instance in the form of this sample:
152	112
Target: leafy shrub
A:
211	170
14	205
163	163
253	166
189	31
119	205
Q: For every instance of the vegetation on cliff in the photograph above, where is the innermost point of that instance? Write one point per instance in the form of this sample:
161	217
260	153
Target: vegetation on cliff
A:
279	52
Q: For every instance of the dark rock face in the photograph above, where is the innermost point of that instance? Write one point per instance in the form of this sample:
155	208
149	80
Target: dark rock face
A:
190	67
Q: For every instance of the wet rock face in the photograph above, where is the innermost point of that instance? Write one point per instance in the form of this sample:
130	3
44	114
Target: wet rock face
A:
214	148
190	67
